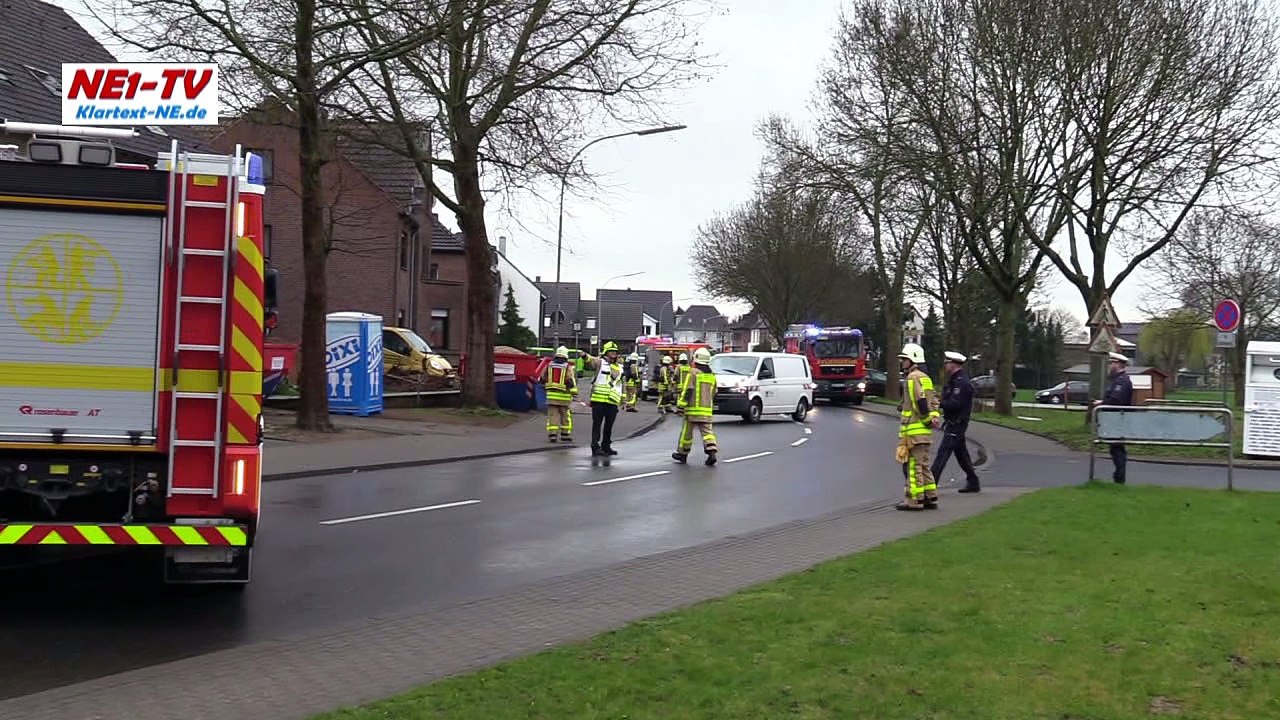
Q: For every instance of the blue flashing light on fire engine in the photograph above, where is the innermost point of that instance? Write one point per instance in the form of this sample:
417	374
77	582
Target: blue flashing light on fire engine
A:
255	175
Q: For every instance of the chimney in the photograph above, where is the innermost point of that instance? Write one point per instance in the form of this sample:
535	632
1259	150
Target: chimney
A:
502	245
537	278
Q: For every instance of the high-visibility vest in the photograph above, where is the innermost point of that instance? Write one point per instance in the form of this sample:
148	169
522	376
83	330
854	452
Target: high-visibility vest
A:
913	423
607	387
698	394
682	375
559	376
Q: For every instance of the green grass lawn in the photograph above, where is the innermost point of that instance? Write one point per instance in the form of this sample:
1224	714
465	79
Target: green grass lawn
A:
1100	602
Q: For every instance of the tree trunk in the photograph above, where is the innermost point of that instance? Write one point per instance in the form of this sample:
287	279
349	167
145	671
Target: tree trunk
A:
477	386
893	345
313	405
1006	339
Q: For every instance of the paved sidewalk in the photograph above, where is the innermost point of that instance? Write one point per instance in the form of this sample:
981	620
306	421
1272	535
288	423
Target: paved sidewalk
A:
401	440
298	677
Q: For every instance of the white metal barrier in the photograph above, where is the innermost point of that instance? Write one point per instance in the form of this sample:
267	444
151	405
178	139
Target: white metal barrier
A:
1164	422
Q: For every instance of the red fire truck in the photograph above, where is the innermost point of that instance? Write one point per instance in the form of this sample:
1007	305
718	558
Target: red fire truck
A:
132	335
837	357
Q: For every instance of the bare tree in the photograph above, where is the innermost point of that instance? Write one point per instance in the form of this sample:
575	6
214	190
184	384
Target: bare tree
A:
785	252
1172	105
977	97
857	107
510	89
1216	255
301	54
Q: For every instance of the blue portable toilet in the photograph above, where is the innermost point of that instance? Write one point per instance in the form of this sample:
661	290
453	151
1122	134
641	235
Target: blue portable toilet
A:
353	361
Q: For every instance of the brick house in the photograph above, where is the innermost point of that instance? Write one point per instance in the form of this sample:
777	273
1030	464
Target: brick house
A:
377	212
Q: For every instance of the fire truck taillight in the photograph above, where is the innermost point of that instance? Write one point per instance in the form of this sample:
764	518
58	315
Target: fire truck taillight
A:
237	483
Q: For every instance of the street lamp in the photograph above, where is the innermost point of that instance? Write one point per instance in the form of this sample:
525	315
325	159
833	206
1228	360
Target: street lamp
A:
564	180
600	306
704	328
670	302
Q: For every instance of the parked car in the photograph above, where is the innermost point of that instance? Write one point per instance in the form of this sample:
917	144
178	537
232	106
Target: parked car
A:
874	382
753	384
1072	391
405	353
984	386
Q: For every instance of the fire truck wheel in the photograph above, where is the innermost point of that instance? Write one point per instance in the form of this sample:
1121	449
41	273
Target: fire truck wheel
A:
753	415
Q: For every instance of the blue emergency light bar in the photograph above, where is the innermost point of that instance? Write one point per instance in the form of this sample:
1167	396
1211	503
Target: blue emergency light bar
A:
255	175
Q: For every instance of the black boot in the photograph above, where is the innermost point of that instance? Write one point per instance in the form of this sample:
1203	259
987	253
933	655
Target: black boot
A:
680	457
711	458
971	486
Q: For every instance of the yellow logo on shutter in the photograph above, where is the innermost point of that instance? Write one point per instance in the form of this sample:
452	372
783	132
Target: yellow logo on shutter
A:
64	288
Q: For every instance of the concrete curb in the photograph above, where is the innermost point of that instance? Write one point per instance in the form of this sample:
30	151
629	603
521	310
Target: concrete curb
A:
369	467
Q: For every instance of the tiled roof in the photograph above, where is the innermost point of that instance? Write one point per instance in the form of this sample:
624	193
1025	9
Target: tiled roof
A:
656	303
444	239
391	171
35	39
693	318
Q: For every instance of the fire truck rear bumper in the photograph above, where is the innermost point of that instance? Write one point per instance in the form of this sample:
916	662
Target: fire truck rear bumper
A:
154	535
837	389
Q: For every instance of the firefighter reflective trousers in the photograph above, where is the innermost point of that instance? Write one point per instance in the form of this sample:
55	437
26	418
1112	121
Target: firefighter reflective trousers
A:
920	483
686	435
559	422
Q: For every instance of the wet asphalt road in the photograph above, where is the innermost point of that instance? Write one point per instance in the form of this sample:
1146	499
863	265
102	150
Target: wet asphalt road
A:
337	550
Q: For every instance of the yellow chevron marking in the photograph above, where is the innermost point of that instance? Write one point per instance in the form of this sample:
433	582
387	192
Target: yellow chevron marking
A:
250	253
95	535
53	538
142	535
251	353
252	406
247	300
188	535
234	535
13	533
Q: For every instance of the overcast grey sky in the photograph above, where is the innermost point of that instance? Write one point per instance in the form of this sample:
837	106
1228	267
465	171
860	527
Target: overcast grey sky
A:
658	189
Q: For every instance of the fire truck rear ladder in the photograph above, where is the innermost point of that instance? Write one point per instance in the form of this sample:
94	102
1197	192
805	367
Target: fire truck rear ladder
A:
181	169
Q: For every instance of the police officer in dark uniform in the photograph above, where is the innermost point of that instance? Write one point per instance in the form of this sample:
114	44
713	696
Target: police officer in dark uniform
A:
957	405
1119	392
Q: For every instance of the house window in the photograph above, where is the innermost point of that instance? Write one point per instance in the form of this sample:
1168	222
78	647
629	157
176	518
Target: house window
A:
433	272
404	250
438	334
266	241
268	164
591	323
546	321
50	83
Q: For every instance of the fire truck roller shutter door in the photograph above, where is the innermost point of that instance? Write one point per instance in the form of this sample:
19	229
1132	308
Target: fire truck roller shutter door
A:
79	326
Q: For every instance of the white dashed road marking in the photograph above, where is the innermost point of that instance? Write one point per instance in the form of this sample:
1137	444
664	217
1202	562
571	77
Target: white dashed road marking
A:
393	513
749	457
628	477
800	442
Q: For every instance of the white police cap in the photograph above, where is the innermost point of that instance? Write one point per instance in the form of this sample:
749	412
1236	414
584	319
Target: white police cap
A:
954	357
1118	358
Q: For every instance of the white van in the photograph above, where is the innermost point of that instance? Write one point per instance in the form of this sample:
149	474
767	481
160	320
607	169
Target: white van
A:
753	384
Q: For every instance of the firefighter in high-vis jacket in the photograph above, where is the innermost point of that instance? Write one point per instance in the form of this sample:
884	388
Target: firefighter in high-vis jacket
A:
920	416
666	381
562	386
633	382
682	376
697	401
606	397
